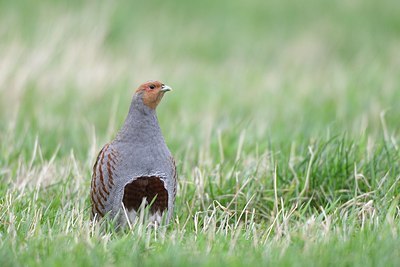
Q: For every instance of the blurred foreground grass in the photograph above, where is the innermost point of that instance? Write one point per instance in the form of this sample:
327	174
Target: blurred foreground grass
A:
283	122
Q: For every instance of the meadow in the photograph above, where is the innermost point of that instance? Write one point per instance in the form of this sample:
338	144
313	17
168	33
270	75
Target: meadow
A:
284	123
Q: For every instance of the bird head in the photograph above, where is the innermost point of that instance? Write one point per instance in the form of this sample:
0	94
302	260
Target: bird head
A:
152	92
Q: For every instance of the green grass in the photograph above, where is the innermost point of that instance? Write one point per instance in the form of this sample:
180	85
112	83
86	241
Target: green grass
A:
283	122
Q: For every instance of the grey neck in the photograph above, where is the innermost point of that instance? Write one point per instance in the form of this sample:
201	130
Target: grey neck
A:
141	124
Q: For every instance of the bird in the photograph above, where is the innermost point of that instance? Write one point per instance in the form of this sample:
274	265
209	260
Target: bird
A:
136	168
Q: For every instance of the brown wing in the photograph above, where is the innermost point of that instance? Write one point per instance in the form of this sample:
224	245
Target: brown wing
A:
103	180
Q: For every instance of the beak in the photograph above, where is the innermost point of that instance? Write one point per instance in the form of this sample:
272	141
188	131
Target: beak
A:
165	88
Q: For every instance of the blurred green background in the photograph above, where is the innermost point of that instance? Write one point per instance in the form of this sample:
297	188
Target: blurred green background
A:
282	70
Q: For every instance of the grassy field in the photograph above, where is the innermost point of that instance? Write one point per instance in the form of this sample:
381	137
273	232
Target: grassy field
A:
284	123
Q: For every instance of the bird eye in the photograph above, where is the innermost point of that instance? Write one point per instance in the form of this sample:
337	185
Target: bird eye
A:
152	86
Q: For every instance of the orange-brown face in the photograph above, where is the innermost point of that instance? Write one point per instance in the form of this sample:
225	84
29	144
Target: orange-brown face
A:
153	91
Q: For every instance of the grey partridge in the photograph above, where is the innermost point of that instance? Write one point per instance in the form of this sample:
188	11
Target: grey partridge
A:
136	167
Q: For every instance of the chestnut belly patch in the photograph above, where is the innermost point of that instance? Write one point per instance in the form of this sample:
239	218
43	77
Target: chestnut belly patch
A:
149	187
